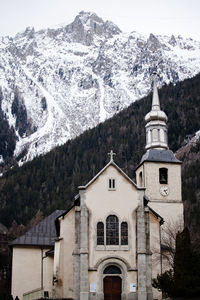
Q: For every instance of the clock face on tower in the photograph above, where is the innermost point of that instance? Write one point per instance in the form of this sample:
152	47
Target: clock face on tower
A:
164	190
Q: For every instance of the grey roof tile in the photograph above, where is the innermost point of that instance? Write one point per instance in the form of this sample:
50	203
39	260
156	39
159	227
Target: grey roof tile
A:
159	156
42	234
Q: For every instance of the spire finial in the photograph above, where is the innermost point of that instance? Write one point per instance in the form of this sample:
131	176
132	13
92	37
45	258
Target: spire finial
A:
155	100
111	153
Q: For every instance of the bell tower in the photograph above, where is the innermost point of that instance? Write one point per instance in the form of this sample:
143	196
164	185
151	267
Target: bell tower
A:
159	170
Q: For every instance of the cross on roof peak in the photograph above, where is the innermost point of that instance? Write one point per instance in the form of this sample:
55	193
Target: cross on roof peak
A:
111	153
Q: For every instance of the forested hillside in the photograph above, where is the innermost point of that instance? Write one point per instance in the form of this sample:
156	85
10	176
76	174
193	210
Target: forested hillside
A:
50	182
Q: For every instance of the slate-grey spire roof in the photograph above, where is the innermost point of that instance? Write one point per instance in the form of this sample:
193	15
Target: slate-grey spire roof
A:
42	234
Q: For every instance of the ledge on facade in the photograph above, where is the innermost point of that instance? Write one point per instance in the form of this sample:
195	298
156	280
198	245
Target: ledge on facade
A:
50	252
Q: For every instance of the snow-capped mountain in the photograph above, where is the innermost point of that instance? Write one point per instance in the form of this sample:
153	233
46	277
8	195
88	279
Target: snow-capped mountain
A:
56	83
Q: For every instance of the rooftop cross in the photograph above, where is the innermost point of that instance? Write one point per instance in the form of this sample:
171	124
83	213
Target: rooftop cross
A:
111	153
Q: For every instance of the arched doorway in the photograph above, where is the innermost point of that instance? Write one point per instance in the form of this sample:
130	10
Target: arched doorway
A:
112	283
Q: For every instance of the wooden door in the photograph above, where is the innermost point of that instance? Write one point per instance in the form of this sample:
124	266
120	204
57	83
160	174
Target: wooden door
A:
112	288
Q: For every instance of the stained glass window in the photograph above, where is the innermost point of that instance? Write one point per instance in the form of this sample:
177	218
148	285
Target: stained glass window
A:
112	230
124	233
100	233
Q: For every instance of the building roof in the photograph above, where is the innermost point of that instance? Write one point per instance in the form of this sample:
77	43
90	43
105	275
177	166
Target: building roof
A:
155	155
42	234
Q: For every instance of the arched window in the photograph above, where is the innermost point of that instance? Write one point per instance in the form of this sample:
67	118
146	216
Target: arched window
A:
112	230
112	270
124	233
100	233
163	175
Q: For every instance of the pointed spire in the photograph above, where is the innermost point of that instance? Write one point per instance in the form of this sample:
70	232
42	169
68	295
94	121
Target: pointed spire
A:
155	101
156	127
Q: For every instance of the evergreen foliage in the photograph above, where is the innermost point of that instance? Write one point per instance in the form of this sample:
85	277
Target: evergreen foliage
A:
50	182
7	139
184	280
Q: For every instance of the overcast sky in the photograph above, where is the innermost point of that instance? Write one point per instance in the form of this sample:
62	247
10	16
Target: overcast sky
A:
145	16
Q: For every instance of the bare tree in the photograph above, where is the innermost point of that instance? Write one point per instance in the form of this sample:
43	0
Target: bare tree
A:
169	232
165	253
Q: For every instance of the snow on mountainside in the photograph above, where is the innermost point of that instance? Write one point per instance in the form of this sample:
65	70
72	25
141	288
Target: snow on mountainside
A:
56	83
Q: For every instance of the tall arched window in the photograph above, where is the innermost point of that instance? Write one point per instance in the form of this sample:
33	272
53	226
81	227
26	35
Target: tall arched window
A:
163	175
124	233
100	233
112	230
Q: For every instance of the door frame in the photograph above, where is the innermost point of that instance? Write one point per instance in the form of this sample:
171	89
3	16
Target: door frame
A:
112	262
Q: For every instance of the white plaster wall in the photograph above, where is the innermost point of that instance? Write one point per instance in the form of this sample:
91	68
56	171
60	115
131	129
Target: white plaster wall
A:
26	270
140	169
170	207
67	233
48	273
171	212
155	244
102	202
155	249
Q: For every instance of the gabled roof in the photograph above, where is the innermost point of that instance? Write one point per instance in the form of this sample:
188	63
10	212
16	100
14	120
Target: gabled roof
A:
111	163
42	234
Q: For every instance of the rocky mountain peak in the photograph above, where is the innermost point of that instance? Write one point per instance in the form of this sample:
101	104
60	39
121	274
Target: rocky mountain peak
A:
153	43
29	33
87	25
172	40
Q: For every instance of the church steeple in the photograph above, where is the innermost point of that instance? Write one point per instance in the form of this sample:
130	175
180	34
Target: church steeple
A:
156	127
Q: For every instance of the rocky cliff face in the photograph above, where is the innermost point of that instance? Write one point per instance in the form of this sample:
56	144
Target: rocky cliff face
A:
56	83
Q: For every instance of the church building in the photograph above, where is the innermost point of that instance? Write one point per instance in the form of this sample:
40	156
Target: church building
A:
108	244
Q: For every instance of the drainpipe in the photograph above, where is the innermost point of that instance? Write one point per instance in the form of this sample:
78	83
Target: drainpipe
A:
42	269
161	266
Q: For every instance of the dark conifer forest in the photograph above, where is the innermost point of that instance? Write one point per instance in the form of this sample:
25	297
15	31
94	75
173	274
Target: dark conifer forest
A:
50	182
